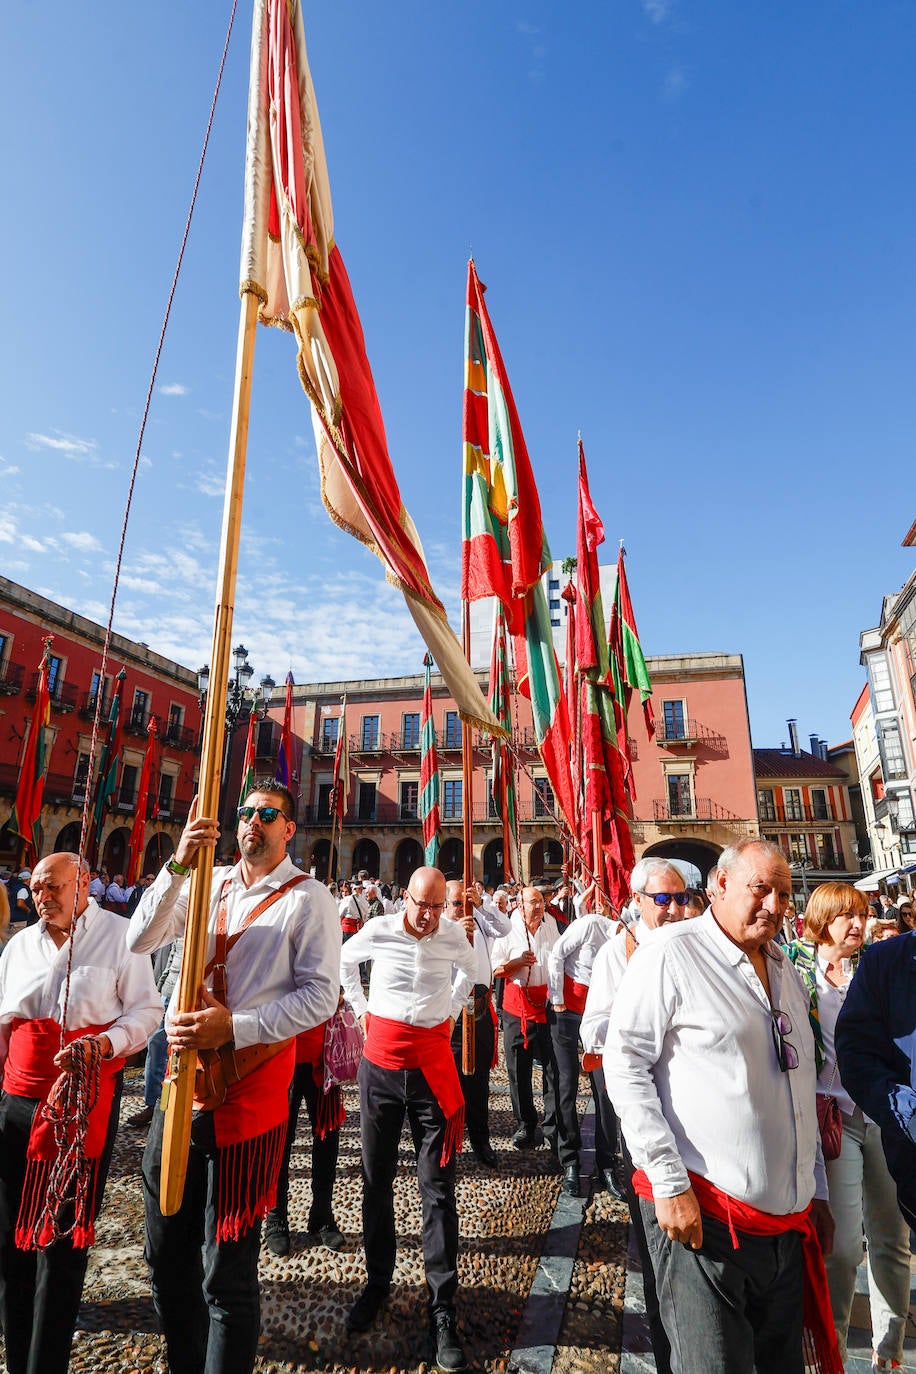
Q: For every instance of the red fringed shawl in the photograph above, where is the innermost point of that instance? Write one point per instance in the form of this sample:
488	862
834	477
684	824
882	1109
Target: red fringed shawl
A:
395	1045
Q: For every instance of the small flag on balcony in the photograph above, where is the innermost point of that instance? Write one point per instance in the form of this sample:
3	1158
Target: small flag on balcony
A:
138	830
248	762
25	818
285	753
341	785
429	773
108	766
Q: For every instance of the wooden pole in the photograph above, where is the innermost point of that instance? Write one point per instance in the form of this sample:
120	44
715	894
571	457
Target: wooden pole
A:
178	1088
468	1028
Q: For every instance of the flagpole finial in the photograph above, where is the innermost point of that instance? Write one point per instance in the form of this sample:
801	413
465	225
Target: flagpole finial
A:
622	549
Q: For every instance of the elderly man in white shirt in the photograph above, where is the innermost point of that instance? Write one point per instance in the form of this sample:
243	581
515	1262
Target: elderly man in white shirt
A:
710	1064
408	1069
112	1007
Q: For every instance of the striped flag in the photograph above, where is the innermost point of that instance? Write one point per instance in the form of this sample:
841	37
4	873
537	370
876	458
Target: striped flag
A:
285	752
25	818
429	774
291	262
138	829
340	788
627	667
107	782
248	761
572	700
503	787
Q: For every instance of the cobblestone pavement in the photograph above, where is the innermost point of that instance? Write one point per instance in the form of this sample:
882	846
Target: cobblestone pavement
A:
504	1215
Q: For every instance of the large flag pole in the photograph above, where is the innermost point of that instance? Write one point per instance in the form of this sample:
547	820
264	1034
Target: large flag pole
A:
178	1088
468	1026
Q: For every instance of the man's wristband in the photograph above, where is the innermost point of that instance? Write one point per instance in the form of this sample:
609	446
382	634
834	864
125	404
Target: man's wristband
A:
177	869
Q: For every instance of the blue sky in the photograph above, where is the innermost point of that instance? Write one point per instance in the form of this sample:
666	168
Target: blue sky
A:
696	223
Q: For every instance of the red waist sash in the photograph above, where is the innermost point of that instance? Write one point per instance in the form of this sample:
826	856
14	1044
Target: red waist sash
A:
528	1004
574	994
395	1045
820	1344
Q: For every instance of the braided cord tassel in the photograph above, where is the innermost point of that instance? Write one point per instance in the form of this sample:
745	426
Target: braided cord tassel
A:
72	1175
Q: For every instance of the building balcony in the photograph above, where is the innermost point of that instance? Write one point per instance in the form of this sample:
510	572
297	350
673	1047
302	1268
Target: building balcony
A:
705	811
797	815
64	698
388	812
686	733
180	737
11	679
137	722
88	703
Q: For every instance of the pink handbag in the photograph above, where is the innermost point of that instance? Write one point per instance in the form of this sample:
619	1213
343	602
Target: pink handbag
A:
343	1047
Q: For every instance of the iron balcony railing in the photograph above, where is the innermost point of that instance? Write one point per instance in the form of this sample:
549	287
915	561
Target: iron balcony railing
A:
11	676
774	814
704	809
64	698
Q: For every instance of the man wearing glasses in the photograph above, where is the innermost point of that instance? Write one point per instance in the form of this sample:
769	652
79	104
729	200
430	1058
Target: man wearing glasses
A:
709	1061
408	1069
272	972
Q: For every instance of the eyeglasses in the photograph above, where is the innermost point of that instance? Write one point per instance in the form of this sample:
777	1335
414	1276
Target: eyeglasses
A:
435	907
665	898
268	814
786	1054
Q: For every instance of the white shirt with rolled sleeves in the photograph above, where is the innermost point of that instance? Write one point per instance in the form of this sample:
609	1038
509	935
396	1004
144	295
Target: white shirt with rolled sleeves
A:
282	974
691	1068
574	953
518	941
609	967
107	982
411	980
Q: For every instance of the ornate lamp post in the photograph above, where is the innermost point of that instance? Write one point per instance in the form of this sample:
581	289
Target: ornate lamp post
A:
241	703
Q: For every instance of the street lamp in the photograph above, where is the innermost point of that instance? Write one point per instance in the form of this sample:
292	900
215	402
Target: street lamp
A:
240	702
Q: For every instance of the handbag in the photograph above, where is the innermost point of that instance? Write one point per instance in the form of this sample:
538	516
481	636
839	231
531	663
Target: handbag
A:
343	1047
829	1121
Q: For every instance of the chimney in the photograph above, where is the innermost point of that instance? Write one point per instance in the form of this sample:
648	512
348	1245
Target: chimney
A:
793	736
815	746
824	748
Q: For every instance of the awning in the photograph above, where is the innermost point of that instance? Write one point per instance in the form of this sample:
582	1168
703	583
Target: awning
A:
871	880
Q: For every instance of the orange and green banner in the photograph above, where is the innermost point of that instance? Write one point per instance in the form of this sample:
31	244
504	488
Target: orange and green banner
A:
25	819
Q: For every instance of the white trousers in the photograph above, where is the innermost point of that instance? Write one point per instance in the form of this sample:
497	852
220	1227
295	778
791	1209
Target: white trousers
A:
863	1195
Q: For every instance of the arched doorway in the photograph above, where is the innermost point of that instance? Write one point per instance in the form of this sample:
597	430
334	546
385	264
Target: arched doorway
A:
545	860
493	864
114	855
366	856
159	850
68	841
321	853
451	857
701	853
407	858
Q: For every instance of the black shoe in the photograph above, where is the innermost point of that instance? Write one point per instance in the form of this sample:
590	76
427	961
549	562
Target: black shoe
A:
570	1183
367	1307
276	1234
449	1354
528	1138
612	1184
327	1235
141	1119
485	1155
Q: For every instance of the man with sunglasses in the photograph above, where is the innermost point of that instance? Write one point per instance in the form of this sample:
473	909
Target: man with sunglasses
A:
709	1061
271	973
408	1069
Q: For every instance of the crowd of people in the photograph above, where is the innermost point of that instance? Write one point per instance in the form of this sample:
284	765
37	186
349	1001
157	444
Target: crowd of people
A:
751	1075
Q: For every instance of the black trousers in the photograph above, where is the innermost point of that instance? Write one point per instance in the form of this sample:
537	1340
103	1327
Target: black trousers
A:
565	1035
476	1086
606	1128
205	1293
40	1290
386	1096
324	1152
661	1346
520	1068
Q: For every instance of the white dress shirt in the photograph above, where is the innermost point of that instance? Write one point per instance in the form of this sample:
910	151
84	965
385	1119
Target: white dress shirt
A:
574	953
411	979
609	967
282	973
518	941
489	924
107	982
691	1068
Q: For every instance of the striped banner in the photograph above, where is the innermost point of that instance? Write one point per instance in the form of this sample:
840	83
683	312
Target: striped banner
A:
429	774
503	786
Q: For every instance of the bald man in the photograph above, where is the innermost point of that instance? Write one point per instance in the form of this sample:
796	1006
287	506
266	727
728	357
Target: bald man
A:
408	1069
114	1005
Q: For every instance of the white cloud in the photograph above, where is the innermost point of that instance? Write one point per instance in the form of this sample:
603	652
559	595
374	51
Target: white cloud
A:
211	484
63	443
8	469
657	10
173	389
82	540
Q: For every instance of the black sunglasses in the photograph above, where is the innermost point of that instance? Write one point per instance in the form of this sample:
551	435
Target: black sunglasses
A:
268	814
664	898
786	1054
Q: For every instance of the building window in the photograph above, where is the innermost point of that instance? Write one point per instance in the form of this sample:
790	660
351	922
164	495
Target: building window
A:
876	782
554	623
882	691
166	784
543	798
820	811
140	708
891	749
4	641
793	803
410	730
53	675
369	738
555	606
451	800
452	730
80	777
128	790
765	804
553	584
675	717
264	747
366	801
826	851
97	683
410	801
680	800
324	800
329	729
905	816
797	849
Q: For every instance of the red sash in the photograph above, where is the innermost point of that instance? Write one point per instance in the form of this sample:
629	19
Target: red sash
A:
528	1004
574	994
395	1045
820	1344
30	1072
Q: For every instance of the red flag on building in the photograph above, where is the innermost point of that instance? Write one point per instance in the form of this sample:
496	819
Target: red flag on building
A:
572	700
138	829
107	782
341	785
25	818
248	761
627	667
291	262
428	801
285	752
